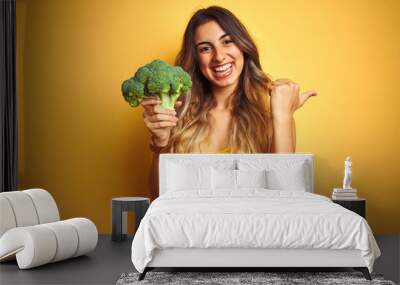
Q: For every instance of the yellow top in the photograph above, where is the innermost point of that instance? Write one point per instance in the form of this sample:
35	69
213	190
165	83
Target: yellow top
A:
225	150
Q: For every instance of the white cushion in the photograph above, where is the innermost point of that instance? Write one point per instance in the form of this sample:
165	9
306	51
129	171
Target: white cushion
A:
87	233
7	218
181	177
35	244
251	178
281	174
40	244
26	208
46	207
23	208
67	240
287	179
228	179
168	174
223	179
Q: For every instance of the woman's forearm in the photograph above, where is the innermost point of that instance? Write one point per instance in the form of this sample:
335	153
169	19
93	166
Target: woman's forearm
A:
284	139
160	145
294	134
154	177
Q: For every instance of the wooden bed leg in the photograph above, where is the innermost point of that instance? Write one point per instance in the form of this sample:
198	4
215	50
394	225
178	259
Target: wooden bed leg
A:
143	274
364	271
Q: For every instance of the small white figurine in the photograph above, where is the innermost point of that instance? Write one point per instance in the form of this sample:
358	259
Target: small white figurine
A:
347	174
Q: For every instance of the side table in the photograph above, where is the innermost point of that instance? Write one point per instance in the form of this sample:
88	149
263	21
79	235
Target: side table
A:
120	206
356	205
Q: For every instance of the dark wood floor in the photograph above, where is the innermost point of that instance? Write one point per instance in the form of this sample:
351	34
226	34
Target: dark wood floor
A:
111	259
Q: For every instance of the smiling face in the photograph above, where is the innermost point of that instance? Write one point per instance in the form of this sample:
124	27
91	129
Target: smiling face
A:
220	59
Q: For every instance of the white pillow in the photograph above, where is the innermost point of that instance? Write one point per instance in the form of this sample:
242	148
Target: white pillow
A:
236	179
251	178
223	179
181	177
293	178
282	174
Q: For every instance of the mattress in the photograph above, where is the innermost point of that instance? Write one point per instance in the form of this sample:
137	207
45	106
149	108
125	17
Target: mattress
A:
250	219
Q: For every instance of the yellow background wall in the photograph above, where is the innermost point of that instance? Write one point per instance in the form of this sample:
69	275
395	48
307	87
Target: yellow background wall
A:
83	143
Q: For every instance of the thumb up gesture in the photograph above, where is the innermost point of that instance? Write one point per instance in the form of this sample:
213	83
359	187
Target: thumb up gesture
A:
286	99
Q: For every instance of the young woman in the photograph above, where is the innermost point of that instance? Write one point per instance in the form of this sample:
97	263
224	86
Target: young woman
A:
235	107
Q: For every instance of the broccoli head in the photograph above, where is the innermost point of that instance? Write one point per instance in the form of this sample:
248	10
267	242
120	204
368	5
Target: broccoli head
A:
157	80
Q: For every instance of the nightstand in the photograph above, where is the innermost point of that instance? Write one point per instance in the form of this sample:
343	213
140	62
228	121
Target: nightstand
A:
356	205
120	206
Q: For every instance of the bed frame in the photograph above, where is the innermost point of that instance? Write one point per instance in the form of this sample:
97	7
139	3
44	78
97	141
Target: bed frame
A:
250	258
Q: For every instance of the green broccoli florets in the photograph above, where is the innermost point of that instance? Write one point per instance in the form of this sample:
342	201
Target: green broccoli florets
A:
158	80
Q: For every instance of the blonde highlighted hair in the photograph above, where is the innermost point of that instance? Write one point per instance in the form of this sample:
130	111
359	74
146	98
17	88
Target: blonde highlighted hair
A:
250	131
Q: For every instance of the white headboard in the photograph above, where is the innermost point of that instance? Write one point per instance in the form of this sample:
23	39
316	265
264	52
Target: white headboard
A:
212	159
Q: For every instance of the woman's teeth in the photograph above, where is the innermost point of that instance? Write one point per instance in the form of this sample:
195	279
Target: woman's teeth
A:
223	71
223	68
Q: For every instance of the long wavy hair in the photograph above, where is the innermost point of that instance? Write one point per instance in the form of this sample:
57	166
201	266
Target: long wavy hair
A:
249	131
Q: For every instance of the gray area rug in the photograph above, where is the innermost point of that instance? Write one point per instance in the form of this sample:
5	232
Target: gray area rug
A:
231	278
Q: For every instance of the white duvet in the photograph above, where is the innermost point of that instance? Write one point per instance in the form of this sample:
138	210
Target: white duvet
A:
250	218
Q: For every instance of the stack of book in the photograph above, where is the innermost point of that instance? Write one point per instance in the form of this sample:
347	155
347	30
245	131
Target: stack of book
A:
344	194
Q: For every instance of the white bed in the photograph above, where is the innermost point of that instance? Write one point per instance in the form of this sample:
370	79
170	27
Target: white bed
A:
247	210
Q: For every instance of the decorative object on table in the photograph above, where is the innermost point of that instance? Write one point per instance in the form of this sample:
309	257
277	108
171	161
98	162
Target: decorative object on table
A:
248	278
32	233
357	205
347	173
120	207
347	192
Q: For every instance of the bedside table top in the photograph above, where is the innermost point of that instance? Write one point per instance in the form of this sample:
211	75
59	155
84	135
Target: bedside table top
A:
130	199
352	199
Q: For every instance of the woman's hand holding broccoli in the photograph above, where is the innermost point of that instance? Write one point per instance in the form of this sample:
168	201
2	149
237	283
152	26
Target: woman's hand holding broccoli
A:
159	120
156	87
